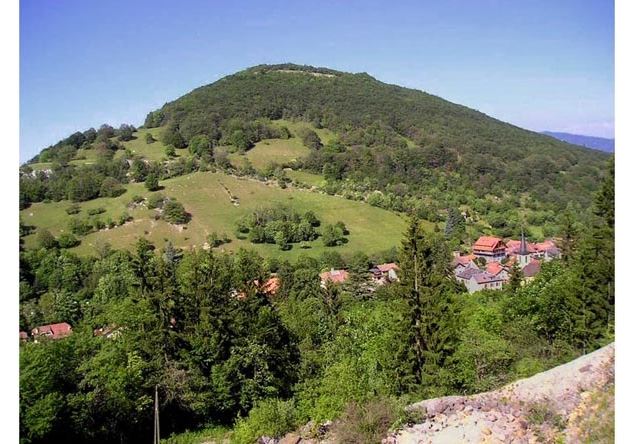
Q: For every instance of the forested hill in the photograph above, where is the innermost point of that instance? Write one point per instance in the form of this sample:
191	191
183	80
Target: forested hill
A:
389	133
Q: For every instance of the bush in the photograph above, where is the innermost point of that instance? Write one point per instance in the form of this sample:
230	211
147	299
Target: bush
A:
149	138
156	200
95	211
67	240
80	227
367	423
174	212
152	182
272	418
73	209
111	187
45	239
125	217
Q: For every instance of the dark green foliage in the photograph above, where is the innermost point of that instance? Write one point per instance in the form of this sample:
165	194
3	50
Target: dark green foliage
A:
152	182
170	151
156	201
278	225
432	300
373	119
310	139
154	119
174	213
79	227
45	239
95	211
111	187
455	224
125	132
200	145
172	136
333	235
149	138
67	240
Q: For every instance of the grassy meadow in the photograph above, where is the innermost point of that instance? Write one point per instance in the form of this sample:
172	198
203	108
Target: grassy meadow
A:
204	196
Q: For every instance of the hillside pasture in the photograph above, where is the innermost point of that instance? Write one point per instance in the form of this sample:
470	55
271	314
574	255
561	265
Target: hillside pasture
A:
204	195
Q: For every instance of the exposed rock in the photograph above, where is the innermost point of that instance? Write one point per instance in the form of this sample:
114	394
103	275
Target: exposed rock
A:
504	415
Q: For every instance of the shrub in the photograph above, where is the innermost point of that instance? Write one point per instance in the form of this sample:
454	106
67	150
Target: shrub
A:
67	240
45	239
95	211
125	217
79	227
156	200
73	209
272	418
174	212
111	187
152	182
149	138
367	423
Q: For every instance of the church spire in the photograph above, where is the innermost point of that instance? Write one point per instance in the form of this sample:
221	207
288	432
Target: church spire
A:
523	244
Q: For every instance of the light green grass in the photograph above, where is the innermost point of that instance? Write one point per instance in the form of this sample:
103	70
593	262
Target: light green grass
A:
296	126
311	179
371	229
275	150
152	151
40	166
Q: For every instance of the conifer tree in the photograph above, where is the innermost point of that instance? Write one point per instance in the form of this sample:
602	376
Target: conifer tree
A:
515	277
432	305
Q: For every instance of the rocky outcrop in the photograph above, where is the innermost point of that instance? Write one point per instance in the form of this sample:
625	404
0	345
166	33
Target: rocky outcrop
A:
543	408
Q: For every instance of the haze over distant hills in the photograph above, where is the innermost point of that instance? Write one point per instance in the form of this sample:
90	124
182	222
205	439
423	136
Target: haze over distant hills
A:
597	143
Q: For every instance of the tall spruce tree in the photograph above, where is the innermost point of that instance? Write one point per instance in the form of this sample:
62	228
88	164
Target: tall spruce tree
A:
432	304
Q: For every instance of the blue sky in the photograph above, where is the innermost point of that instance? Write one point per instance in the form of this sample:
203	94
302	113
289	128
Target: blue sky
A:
542	65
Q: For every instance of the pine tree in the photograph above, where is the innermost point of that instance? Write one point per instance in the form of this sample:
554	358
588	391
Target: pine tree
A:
431	297
515	277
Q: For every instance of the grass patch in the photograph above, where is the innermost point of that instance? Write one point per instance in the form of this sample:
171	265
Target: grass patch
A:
212	434
310	179
205	196
154	151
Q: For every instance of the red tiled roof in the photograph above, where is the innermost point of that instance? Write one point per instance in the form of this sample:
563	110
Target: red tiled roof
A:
488	243
272	285
486	278
532	268
546	245
494	268
24	335
55	331
336	276
385	268
513	246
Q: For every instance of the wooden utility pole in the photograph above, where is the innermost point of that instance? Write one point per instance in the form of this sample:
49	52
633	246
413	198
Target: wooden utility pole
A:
157	434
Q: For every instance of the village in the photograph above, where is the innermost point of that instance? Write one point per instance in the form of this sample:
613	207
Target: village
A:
487	267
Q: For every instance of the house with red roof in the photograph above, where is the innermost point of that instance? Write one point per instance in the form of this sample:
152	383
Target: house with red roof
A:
476	280
24	336
497	269
460	263
52	331
531	270
489	248
385	273
335	276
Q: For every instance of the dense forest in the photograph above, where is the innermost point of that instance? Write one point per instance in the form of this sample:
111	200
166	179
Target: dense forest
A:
265	364
227	354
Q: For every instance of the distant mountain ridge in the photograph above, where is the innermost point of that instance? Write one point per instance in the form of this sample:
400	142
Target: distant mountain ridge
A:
596	143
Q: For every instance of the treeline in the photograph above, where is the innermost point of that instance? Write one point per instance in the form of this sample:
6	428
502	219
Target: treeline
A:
199	325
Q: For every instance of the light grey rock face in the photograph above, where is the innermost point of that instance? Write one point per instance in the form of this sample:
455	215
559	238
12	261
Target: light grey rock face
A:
501	416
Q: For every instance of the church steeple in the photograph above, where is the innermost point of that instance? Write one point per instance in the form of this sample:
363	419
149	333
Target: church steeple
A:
523	243
523	253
